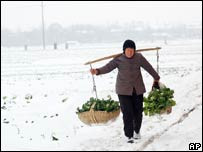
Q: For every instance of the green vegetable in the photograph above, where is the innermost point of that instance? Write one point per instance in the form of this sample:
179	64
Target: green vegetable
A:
108	105
4	97
158	100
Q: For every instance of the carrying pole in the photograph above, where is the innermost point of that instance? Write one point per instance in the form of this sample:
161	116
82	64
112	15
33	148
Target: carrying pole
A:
119	54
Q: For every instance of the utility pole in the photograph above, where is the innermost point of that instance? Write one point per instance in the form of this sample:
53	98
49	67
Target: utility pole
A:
43	31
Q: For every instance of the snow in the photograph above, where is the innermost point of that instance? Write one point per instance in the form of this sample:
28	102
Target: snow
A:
59	82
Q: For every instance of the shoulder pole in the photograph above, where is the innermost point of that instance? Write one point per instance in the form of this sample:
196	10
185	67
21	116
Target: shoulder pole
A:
119	54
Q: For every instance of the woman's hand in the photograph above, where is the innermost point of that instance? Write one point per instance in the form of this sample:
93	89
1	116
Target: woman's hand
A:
155	84
94	71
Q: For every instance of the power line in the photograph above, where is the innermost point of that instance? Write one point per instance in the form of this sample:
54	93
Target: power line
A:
45	5
20	6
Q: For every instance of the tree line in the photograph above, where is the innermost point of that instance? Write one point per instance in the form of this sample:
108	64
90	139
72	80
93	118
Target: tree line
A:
85	33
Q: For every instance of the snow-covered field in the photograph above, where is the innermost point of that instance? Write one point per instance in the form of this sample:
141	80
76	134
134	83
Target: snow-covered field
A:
40	91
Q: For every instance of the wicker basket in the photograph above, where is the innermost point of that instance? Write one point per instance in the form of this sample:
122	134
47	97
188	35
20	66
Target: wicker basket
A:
96	117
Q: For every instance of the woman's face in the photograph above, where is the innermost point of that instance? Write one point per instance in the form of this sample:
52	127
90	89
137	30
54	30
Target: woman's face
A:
129	52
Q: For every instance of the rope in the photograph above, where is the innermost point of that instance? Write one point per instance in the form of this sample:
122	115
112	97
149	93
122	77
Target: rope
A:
94	84
92	114
157	54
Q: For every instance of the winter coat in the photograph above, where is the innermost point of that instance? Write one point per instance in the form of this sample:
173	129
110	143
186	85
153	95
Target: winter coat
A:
129	73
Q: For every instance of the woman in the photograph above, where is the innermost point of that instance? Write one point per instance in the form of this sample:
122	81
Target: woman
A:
130	86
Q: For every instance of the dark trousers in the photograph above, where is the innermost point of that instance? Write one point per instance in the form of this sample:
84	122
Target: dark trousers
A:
132	108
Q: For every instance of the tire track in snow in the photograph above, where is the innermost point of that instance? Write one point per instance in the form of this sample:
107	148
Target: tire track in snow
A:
156	136
181	119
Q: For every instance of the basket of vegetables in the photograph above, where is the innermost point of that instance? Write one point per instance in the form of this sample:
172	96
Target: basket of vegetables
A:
159	101
96	111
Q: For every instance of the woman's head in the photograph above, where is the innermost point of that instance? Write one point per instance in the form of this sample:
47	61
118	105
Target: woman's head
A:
129	48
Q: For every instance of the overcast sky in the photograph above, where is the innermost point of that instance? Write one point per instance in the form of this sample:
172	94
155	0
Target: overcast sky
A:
27	15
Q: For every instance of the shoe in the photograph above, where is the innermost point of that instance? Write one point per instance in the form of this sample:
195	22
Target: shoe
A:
130	140
137	136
